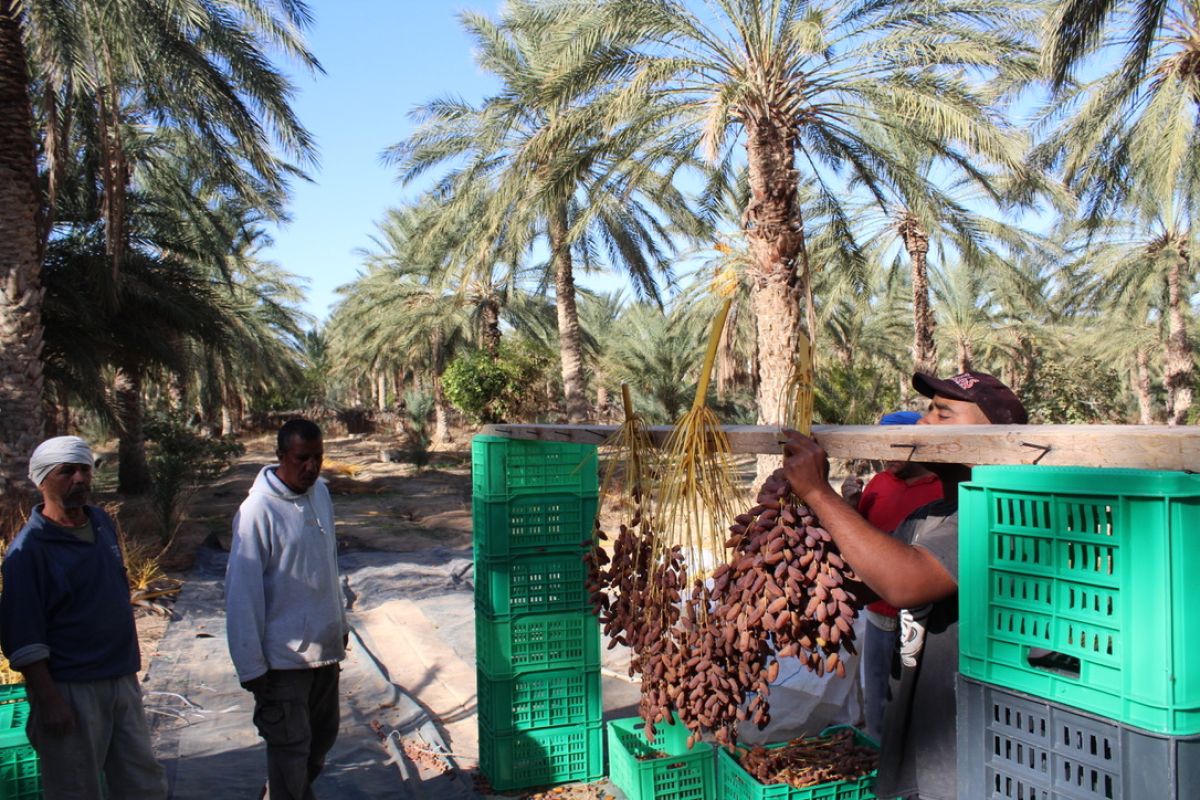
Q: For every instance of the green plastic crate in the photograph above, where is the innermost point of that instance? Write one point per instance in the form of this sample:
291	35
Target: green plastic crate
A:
1074	587
20	773
13	717
681	774
543	757
503	468
510	646
533	524
528	584
734	783
539	700
12	693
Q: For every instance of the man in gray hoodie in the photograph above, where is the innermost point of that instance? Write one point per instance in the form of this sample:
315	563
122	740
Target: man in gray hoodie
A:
285	618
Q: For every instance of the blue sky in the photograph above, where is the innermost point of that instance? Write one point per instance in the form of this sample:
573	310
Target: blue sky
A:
381	58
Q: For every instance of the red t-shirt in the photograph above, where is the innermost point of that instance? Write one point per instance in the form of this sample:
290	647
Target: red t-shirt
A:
887	501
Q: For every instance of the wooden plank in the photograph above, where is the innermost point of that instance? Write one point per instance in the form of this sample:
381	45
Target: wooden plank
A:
1129	446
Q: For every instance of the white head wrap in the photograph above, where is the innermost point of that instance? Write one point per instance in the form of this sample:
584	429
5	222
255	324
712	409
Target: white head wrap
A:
59	450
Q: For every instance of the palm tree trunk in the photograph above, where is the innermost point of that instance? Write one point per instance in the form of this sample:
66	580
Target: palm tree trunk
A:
381	390
601	397
1141	387
441	407
1026	362
133	473
775	233
727	365
441	414
21	379
1179	370
491	326
924	350
570	341
178	394
965	355
231	412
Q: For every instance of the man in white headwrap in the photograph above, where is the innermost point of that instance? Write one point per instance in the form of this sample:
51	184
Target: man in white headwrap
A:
66	624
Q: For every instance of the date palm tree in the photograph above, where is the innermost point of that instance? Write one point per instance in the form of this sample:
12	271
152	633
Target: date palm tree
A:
793	86
414	306
555	168
1142	271
191	65
1128	143
21	366
940	211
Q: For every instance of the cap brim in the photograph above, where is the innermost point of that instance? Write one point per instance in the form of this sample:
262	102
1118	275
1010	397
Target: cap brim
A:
929	386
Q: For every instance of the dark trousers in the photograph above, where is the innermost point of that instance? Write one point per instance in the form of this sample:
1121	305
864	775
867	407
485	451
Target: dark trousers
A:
297	715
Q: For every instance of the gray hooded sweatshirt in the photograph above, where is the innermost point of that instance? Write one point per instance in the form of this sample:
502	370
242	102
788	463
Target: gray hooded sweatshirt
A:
283	602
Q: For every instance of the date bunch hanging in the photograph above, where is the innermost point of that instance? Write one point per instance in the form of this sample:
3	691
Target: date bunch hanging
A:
785	592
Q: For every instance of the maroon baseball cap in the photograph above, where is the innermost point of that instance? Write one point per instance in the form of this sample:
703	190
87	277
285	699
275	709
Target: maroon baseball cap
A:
995	400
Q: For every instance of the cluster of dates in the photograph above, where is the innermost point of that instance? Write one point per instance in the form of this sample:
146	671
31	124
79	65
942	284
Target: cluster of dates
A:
708	653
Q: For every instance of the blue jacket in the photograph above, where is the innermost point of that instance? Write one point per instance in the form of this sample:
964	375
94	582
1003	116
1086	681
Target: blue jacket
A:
67	600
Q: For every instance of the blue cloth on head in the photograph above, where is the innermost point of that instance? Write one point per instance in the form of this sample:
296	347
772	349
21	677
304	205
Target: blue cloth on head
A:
901	418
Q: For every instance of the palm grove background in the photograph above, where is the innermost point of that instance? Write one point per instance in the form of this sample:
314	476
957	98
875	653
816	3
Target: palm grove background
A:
920	184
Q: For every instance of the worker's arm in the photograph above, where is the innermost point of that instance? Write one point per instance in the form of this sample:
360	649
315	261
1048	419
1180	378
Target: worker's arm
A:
23	636
903	575
54	712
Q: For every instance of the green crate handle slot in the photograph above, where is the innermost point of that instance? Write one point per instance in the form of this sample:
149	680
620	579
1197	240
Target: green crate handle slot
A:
1074	586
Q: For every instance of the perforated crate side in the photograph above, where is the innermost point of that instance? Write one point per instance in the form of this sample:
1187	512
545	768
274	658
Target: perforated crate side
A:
20	773
539	700
1074	585
503	468
532	524
509	646
12	693
1017	747
543	757
13	717
529	584
734	783
664	770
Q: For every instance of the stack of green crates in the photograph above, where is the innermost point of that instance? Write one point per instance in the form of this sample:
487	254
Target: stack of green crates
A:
1079	639
20	775
537	641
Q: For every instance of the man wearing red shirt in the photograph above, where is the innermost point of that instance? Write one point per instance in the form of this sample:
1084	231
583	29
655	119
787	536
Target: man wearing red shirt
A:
888	499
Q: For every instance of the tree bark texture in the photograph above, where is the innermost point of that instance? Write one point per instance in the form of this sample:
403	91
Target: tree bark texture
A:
441	414
916	242
775	234
21	377
491	326
441	407
965	355
133	473
602	409
381	390
232	408
1141	387
1179	372
570	341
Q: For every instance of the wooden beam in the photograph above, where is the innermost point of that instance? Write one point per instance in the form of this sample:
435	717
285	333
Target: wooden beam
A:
1128	446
